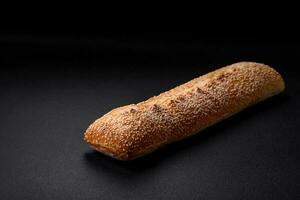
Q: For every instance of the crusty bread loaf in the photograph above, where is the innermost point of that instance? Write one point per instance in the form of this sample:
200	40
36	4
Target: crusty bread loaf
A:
134	130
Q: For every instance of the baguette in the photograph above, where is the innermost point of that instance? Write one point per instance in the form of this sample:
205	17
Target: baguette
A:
131	131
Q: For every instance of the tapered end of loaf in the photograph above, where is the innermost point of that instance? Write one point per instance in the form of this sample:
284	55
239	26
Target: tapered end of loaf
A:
113	134
94	138
277	83
273	79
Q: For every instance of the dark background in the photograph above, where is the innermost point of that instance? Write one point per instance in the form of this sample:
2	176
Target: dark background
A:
54	84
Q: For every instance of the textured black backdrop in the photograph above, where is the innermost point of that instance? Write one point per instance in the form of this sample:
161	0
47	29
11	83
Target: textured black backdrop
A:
52	86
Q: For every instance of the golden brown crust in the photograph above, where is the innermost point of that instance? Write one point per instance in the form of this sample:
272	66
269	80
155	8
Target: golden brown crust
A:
134	130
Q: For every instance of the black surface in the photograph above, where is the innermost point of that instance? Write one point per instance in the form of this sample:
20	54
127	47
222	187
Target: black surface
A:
53	87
